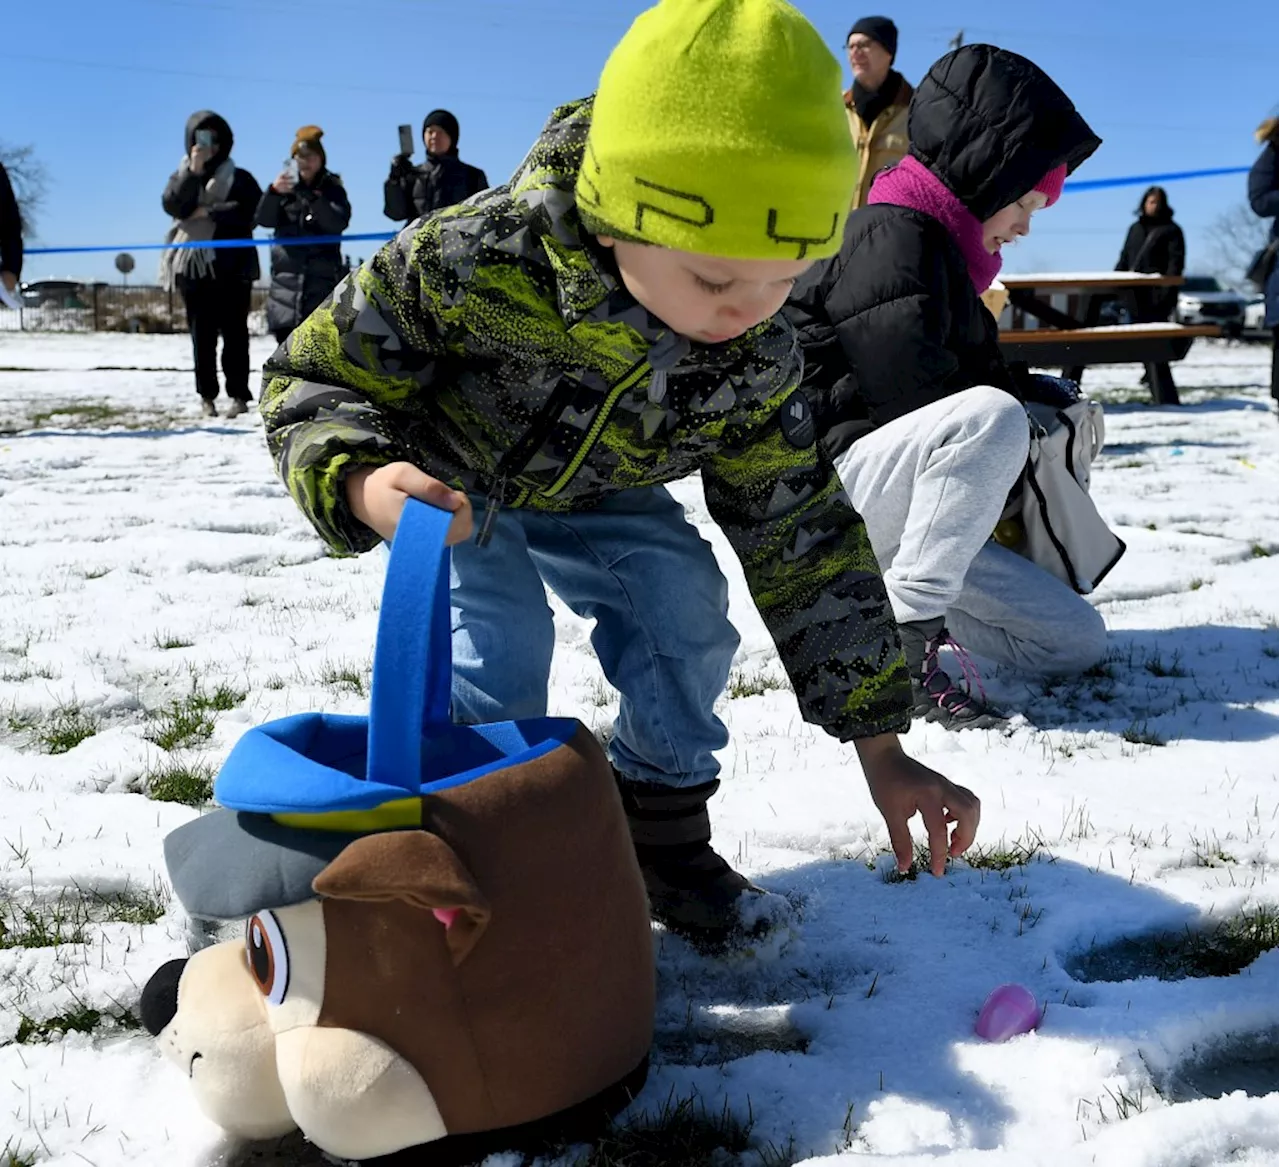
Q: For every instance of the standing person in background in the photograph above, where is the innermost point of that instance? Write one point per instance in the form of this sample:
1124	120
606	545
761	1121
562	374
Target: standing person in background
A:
878	100
1154	244
1263	198
443	180
209	198
306	198
10	235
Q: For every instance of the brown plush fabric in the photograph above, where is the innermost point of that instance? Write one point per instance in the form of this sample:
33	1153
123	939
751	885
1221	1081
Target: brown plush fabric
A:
554	1001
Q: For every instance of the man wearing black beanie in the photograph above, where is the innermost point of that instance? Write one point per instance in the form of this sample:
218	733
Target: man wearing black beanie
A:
877	101
443	180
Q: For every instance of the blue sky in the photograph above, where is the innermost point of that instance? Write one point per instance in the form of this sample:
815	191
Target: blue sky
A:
102	90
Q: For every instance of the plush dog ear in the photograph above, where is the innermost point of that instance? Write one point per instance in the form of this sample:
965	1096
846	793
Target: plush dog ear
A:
419	868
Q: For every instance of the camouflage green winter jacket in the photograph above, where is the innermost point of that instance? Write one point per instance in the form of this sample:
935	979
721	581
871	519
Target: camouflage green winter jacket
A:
493	345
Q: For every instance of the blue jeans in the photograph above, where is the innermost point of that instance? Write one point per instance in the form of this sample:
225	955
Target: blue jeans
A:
662	635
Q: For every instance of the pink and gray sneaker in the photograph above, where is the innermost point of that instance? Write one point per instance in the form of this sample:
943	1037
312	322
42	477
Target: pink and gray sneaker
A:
935	696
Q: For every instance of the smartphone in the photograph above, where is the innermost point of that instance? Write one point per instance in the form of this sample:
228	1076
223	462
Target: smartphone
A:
291	169
205	138
406	140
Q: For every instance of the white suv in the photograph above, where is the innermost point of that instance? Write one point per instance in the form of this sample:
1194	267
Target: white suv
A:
1202	300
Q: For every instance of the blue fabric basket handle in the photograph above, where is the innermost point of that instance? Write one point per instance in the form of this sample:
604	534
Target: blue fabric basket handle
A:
413	656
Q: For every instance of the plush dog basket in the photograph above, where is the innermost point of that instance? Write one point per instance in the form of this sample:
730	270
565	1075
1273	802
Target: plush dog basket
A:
447	943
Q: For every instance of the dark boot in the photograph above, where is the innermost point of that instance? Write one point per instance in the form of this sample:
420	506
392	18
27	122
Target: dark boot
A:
692	890
934	695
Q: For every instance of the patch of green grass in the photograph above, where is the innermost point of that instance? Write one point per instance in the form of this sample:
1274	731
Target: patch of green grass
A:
275	683
1197	584
74	415
1001	856
682	1132
12	1155
188	721
80	1019
250	600
45	923
221	699
1156	666
65	728
1221	951
167	640
1138	734
346	677
131	906
187	782
1151	527
753	682
1103	669
21	720
1258	551
96	572
179	726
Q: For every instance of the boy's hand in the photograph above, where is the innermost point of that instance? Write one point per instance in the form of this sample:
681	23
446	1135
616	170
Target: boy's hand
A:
901	786
377	497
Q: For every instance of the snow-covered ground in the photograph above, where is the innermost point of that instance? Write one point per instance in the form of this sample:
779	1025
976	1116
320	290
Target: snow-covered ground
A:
1129	820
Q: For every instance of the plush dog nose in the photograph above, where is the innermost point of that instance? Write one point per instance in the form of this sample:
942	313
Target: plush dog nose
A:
160	996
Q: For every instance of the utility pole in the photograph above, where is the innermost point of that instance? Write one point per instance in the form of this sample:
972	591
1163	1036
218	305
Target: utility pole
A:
956	41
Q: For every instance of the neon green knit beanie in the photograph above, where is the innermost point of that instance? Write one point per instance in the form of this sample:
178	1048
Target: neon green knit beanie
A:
719	129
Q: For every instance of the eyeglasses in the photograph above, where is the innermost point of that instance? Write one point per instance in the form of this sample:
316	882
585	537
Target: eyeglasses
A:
860	46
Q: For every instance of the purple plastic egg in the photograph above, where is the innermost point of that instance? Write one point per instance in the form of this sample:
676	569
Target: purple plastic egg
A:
1007	1012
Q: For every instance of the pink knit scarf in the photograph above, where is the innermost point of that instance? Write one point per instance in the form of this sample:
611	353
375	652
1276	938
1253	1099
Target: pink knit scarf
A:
912	184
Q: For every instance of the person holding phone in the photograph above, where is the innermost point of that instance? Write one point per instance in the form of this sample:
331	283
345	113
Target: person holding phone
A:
211	198
443	180
306	198
10	236
1265	202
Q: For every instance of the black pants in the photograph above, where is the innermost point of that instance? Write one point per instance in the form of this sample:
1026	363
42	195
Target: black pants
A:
281	334
219	307
1274	370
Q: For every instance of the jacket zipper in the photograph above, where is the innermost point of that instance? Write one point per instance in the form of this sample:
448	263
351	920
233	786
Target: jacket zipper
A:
627	381
513	462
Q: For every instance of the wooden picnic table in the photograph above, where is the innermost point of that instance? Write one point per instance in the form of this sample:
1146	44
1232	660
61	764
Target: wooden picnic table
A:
1073	339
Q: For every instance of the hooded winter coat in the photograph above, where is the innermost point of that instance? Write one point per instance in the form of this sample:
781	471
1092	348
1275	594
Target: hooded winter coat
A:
301	277
1263	198
893	322
495	347
10	228
233	217
439	182
1155	243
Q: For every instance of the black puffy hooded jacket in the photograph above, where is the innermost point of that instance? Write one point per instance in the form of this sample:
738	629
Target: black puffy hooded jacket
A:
893	322
233	217
301	277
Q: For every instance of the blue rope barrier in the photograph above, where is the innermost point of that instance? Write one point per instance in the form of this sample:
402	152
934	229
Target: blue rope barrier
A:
1147	179
383	236
292	241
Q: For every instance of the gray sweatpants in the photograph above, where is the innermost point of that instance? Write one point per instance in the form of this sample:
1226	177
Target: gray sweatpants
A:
930	487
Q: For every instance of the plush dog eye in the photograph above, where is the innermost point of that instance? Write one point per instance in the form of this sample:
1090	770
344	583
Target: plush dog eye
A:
268	956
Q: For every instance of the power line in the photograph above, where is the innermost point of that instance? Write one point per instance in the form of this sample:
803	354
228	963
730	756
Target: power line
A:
505	97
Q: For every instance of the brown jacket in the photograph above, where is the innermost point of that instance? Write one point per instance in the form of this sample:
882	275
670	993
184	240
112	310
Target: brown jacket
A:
881	144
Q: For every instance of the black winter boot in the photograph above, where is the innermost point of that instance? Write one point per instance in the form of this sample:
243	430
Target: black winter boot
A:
692	890
934	695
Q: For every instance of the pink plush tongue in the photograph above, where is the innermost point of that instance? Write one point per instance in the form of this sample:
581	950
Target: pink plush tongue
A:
446	916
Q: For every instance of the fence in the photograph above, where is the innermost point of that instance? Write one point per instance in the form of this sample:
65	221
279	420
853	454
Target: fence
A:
67	306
